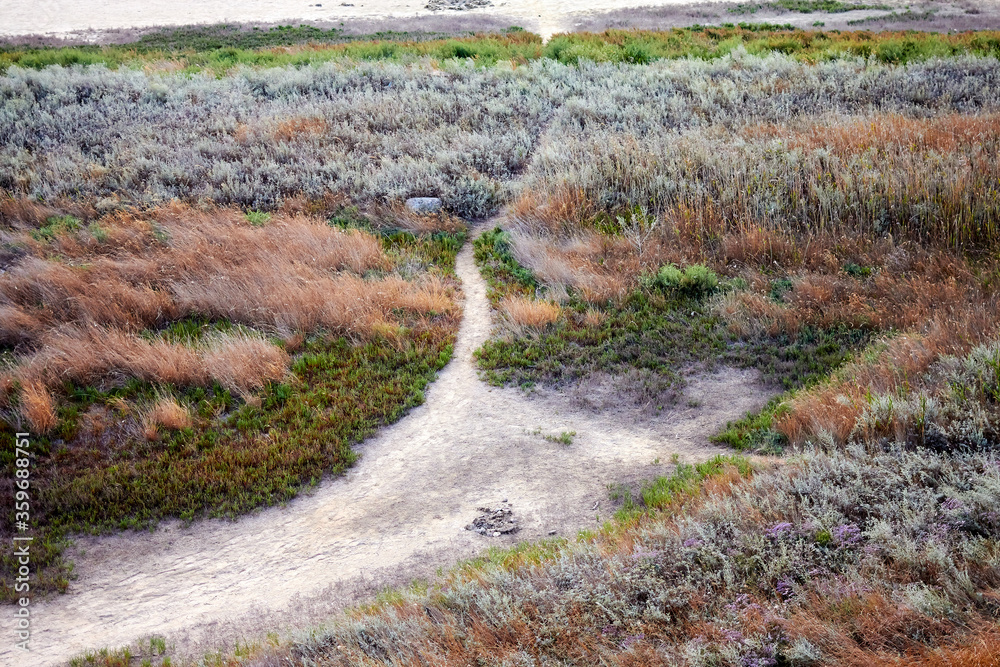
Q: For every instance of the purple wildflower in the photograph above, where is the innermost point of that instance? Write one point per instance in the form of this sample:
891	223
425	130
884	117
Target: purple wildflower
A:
953	504
733	636
846	535
778	529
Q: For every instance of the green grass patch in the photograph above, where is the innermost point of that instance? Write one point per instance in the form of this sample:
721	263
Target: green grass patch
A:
219	49
803	359
223	47
57	226
649	332
504	275
636	46
564	438
805	6
257	218
660	493
755	432
431	253
662	330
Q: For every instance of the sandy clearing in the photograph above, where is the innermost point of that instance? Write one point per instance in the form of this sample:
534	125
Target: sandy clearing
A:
401	508
75	17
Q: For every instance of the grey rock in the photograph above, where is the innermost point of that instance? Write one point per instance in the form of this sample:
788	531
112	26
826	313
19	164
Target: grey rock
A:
424	205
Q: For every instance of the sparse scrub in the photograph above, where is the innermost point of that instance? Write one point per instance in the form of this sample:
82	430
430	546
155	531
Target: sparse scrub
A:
564	438
261	137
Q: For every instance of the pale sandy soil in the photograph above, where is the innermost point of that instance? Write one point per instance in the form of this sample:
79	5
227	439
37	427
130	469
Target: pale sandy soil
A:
396	514
64	17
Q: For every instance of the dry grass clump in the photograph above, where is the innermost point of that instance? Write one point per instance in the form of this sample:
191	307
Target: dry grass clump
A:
105	356
525	312
79	303
300	129
165	412
38	407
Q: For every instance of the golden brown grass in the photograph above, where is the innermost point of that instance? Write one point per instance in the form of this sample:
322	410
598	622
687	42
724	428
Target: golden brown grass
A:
886	132
96	355
524	312
38	407
165	412
74	305
868	629
300	128
22	212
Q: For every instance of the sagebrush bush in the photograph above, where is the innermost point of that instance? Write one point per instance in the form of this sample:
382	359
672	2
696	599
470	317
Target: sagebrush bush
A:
465	133
696	280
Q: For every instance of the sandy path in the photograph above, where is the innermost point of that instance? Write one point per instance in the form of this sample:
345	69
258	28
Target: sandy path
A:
60	17
402	506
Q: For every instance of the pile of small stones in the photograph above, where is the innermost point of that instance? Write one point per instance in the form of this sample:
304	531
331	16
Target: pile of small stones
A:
494	522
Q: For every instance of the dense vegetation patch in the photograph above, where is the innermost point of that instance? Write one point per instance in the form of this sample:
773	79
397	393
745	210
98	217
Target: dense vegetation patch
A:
219	49
123	441
804	6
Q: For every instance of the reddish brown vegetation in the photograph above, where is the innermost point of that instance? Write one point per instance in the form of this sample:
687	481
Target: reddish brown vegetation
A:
889	132
75	305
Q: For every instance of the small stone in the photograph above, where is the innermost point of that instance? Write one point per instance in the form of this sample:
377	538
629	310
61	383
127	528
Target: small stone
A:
496	534
424	205
552	532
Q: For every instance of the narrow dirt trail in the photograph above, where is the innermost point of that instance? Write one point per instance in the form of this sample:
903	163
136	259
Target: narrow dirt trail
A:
403	506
